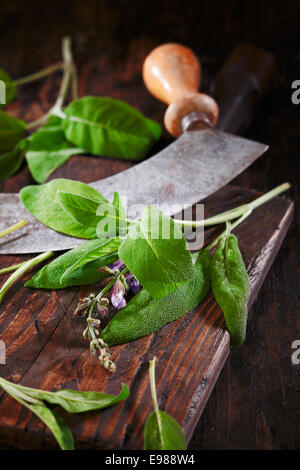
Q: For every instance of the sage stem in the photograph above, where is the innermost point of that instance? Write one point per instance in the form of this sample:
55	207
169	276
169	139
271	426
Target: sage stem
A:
236	212
21	270
40	74
13	228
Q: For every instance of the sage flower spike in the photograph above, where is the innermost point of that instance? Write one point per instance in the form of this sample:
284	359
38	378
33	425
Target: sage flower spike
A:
133	283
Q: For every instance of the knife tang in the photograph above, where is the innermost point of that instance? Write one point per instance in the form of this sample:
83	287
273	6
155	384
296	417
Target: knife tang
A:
245	76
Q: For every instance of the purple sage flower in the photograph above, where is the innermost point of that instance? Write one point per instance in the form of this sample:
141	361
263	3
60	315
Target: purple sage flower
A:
117	295
119	265
133	283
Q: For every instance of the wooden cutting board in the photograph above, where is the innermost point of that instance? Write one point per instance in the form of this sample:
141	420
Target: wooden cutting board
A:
45	348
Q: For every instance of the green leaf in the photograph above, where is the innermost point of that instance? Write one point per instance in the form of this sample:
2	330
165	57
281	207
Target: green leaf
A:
156	252
10	87
81	208
11	161
230	285
11	131
161	431
144	315
42	202
106	248
50	276
53	420
105	126
49	149
168	435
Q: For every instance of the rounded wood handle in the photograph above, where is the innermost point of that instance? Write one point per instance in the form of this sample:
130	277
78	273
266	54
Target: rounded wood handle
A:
172	73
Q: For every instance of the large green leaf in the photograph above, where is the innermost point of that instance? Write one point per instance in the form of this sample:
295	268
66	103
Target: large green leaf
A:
50	276
49	149
11	131
105	126
42	202
156	252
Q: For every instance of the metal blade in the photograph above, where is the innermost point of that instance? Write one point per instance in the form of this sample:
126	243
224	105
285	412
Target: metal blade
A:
196	165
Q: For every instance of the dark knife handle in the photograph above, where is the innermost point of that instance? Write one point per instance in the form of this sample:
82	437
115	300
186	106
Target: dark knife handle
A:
239	85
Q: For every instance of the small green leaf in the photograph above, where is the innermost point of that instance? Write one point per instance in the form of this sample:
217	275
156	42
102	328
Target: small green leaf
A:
42	202
162	432
53	420
10	87
105	126
11	131
49	149
156	252
99	252
230	285
53	275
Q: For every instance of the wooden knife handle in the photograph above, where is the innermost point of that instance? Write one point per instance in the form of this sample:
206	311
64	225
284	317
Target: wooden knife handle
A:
172	74
244	77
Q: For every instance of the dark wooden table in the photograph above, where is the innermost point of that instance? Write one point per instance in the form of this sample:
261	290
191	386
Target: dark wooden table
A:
256	401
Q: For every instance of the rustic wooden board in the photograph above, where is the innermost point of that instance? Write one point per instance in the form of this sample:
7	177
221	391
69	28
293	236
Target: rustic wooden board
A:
45	348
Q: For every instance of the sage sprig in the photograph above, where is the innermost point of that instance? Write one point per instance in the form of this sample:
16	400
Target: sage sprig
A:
162	432
72	401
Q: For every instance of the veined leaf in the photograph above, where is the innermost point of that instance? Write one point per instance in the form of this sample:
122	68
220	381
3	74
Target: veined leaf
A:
105	126
49	149
11	131
162	432
42	202
230	285
50	276
160	244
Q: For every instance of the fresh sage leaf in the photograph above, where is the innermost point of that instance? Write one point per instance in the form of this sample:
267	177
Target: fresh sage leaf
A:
162	432
49	149
230	285
54	275
42	202
108	247
105	126
53	420
144	315
12	130
10	87
12	161
156	252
